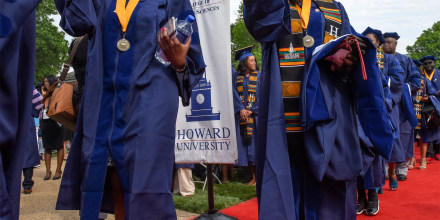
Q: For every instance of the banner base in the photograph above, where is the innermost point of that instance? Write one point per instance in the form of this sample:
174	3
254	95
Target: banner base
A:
215	216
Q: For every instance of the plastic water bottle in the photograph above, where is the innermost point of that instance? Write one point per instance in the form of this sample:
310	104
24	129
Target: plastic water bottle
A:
184	31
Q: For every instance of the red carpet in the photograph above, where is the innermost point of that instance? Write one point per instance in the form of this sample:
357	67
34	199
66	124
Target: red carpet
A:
416	198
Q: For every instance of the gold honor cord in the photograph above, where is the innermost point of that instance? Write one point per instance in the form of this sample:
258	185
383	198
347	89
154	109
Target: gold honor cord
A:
429	76
124	14
304	13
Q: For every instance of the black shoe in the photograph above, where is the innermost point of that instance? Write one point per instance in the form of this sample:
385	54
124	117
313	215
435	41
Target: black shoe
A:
48	177
401	177
27	191
361	205
372	207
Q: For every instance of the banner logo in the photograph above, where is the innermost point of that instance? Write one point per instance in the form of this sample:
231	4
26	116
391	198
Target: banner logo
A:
201	107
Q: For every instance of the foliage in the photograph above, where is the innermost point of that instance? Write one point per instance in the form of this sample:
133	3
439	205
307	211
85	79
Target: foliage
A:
225	195
428	43
242	38
52	48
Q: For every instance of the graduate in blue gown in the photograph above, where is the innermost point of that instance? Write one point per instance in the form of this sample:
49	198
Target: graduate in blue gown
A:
393	69
309	113
426	95
430	134
129	107
391	74
17	69
245	85
408	119
31	156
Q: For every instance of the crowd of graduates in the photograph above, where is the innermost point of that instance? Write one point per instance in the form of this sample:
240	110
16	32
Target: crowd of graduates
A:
330	116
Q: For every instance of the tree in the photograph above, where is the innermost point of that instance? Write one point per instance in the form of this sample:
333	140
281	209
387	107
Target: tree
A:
51	46
242	38
428	43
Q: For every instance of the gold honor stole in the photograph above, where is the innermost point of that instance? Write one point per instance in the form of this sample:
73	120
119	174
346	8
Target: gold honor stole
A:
246	128
417	104
380	58
292	58
429	76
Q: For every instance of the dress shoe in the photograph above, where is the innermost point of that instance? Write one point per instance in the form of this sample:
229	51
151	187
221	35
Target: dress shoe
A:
48	177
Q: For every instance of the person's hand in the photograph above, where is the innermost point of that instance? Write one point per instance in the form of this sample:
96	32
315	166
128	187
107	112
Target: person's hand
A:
173	49
43	91
244	115
438	93
362	44
348	63
342	61
425	99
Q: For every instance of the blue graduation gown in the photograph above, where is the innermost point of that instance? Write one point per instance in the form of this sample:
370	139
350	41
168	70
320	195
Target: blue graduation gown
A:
17	69
394	71
31	155
436	80
315	195
129	109
430	134
408	118
246	154
433	134
372	175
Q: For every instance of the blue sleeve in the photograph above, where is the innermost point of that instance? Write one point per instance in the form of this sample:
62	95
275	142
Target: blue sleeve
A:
78	17
386	92
254	108
432	94
395	72
194	59
267	20
430	88
436	80
413	78
238	105
12	16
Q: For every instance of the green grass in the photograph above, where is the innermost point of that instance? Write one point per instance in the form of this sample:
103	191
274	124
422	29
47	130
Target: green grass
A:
225	195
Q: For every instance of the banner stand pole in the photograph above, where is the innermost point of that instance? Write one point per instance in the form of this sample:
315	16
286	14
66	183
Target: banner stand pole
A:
212	213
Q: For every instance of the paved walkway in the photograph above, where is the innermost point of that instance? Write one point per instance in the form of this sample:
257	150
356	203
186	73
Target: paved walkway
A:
40	204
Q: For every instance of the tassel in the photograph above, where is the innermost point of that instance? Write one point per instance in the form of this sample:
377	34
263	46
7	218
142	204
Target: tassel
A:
364	71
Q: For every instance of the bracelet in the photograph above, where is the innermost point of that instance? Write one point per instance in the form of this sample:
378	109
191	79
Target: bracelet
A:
179	70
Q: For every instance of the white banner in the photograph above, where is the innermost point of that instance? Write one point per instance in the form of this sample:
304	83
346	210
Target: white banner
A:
205	130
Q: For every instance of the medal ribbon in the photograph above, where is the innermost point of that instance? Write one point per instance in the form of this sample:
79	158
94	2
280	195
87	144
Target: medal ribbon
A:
124	13
304	13
429	76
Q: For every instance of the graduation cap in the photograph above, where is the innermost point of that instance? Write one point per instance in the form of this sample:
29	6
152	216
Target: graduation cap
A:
418	63
425	58
376	32
391	34
243	53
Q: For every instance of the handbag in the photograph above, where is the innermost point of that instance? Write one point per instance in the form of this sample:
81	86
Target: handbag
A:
431	117
59	98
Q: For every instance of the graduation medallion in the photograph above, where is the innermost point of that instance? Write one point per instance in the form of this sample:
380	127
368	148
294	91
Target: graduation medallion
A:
309	41
123	45
124	12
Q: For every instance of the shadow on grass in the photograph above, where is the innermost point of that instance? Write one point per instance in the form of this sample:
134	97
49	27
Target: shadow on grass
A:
225	195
